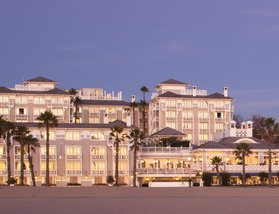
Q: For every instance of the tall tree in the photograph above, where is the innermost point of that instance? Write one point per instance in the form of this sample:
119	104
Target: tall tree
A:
117	134
48	119
136	136
75	100
143	103
20	134
31	144
258	123
243	150
8	130
217	161
269	131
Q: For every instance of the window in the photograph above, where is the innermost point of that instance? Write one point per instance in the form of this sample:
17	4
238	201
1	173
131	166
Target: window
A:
21	111
22	99
187	104
3	166
111	110
58	100
94	120
72	135
171	125
4	99
202	104
98	165
187	125
73	165
219	104
94	110
122	150
58	112
52	150
189	136
203	137
38	111
4	111
52	165
97	136
73	150
187	114
39	100
98	151
219	126
51	136
203	115
171	103
2	150
170	114
219	115
203	126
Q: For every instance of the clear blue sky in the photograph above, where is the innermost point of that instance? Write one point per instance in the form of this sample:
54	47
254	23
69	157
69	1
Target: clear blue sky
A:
124	44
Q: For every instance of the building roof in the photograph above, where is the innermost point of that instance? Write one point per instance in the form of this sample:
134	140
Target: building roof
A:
82	125
40	79
212	96
104	102
4	90
173	82
232	142
168	132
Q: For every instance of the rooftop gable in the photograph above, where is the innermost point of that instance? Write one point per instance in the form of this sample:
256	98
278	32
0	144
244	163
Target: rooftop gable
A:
173	82
40	79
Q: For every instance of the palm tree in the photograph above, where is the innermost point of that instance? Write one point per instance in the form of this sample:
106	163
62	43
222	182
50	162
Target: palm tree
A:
20	134
268	131
8	130
136	136
117	134
243	150
217	161
48	119
31	144
144	90
75	100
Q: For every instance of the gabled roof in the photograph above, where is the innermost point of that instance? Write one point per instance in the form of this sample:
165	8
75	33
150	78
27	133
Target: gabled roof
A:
5	90
170	94
168	132
57	91
173	82
218	96
40	79
105	102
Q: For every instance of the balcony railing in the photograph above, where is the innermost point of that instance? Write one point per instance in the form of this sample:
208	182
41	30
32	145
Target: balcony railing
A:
57	105
18	156
51	157
123	157
73	172
51	172
164	150
7	104
3	156
21	116
123	172
3	172
98	156
98	172
164	171
26	172
73	157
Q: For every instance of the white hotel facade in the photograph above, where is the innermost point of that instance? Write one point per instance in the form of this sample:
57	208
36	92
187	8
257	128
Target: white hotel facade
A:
83	152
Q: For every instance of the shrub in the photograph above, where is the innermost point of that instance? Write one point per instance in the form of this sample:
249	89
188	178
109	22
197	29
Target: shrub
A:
145	185
225	178
73	184
11	180
207	179
196	184
110	179
263	177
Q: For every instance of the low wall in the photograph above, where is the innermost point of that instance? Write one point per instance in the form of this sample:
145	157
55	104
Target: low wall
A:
169	184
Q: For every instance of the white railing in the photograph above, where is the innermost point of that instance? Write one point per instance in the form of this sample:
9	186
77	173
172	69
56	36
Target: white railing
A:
165	150
51	157
58	105
73	157
98	156
3	156
164	171
51	172
7	104
98	172
199	92
73	172
26	172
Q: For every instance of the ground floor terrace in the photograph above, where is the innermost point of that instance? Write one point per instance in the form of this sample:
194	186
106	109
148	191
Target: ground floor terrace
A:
103	200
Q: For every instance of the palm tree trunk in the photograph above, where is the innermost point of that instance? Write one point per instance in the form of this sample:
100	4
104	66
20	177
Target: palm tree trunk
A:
269	166
143	118
47	155
218	174
8	145
243	171
76	108
135	165
21	162
134	116
31	167
116	162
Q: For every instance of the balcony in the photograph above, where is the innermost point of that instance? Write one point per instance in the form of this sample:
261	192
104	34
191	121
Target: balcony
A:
58	105
17	156
123	172
98	172
73	157
21	116
94	114
102	157
51	157
3	156
164	171
163	150
7	104
3	172
51	172
73	172
26	172
171	118
123	157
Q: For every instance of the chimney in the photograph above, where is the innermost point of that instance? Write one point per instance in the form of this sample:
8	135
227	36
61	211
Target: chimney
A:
133	98
194	89
226	91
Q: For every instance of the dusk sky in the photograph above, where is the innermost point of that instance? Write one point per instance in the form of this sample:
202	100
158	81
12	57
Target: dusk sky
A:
125	44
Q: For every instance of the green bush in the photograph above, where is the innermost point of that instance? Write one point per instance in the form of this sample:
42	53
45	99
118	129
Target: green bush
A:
263	177
207	179
196	184
11	180
145	185
110	179
225	178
